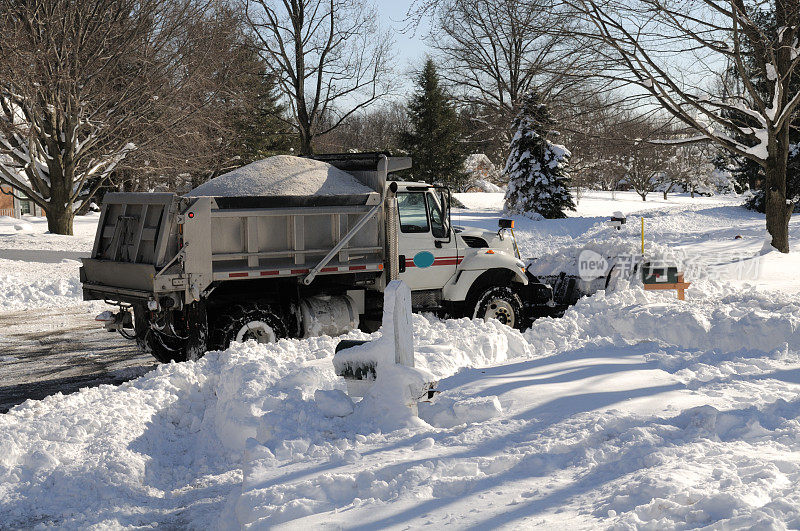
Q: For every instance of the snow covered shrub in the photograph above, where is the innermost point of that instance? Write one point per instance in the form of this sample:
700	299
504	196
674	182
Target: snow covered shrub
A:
537	168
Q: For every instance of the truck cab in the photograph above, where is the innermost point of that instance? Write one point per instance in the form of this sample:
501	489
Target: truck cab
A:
451	268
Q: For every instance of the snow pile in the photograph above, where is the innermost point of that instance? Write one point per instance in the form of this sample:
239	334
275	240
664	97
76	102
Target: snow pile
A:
254	435
152	449
713	321
333	403
47	285
448	412
22	226
282	175
702	466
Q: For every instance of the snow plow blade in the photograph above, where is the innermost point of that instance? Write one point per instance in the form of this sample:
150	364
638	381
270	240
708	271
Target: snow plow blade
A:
551	295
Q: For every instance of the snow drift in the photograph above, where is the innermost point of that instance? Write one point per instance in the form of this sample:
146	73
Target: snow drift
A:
219	441
282	175
176	437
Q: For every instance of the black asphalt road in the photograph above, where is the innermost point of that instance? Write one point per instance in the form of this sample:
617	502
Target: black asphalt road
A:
43	352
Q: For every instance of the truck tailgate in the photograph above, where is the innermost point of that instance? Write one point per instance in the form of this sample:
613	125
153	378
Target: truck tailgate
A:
118	274
134	228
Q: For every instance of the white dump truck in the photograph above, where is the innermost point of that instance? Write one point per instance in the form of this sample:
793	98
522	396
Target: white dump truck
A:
193	273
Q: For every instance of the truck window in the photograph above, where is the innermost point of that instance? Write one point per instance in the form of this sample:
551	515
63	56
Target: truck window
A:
413	214
438	220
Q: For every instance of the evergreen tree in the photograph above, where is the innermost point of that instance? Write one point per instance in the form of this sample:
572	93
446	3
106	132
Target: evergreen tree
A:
434	137
537	168
260	126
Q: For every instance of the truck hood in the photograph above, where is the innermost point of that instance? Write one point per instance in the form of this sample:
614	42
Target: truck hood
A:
477	237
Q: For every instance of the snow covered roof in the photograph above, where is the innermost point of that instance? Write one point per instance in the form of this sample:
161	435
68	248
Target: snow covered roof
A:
282	175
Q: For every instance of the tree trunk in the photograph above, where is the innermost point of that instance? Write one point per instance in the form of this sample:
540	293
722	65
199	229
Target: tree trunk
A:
305	141
59	218
665	196
778	211
305	146
644	196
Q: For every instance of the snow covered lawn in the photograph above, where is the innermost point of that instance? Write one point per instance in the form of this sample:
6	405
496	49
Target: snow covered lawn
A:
39	269
634	410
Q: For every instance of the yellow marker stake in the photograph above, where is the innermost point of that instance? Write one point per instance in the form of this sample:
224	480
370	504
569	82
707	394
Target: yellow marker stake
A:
642	236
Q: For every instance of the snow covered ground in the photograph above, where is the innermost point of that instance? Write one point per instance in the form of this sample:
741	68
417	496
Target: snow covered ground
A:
634	410
39	269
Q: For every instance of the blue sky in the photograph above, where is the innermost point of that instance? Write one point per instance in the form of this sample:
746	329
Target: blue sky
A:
409	48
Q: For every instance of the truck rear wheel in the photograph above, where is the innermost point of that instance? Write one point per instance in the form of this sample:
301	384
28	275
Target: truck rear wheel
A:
164	348
244	322
497	302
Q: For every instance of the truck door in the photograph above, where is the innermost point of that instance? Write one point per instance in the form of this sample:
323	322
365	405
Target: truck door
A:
427	246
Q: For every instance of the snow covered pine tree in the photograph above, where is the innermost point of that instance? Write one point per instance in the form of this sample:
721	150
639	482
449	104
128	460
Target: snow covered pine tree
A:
537	168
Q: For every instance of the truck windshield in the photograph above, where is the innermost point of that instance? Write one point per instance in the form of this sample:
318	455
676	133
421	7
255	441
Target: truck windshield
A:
413	214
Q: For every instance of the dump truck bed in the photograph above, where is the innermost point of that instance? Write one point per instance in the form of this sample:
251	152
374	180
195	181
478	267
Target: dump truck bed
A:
282	236
151	243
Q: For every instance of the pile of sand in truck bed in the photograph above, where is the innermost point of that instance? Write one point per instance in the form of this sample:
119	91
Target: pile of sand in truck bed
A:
282	175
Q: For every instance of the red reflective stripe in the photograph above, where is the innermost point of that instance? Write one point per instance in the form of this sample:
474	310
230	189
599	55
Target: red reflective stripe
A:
358	268
237	275
329	269
440	261
299	271
269	273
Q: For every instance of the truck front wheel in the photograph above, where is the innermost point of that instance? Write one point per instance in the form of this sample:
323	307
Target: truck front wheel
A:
244	322
497	302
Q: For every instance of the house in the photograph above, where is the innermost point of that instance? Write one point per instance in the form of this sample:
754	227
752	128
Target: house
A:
18	206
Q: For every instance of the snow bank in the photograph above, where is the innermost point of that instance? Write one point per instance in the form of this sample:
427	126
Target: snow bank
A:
701	467
253	436
282	175
171	445
333	403
448	412
710	320
42	285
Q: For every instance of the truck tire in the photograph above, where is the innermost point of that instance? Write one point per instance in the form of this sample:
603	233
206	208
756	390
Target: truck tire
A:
164	348
497	302
243	322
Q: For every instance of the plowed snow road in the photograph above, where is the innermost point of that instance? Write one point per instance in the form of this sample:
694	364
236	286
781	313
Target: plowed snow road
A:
43	352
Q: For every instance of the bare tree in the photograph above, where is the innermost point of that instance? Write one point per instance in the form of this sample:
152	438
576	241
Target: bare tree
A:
232	114
493	52
668	47
329	56
378	129
689	168
644	168
80	80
